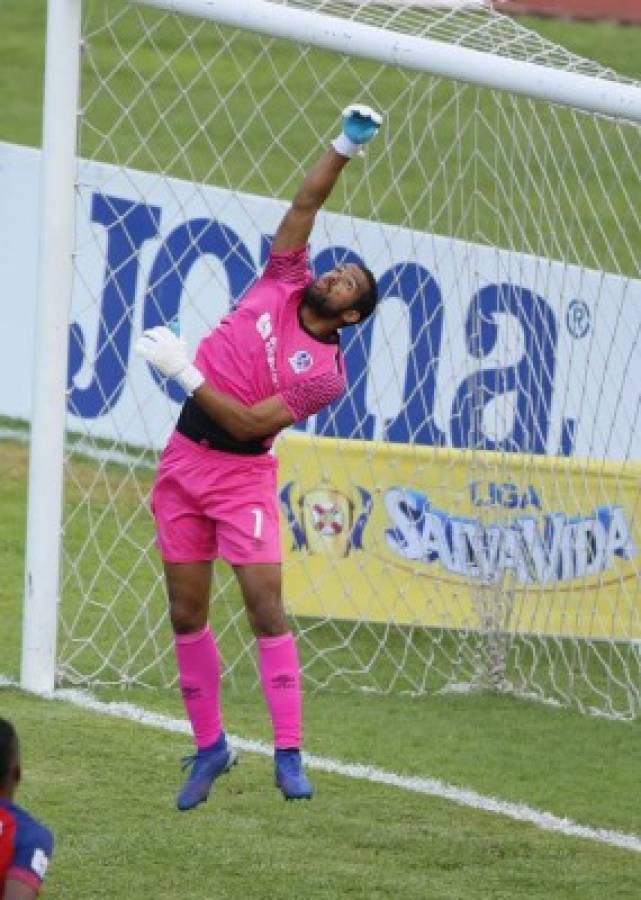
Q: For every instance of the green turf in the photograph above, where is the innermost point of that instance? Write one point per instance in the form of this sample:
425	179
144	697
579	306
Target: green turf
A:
106	787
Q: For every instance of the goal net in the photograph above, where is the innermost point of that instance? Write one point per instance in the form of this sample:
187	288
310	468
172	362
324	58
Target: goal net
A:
466	516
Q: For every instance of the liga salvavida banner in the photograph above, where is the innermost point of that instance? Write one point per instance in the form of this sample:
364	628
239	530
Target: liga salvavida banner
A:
413	536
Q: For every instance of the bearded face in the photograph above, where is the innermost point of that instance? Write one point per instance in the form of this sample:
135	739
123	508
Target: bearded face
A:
332	296
318	301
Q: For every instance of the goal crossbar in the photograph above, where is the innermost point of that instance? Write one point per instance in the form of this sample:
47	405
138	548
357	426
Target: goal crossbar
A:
573	89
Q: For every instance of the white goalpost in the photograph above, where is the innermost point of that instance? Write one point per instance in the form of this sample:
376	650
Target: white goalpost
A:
55	276
466	516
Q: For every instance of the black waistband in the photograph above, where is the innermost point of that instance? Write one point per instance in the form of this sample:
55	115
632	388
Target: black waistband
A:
196	425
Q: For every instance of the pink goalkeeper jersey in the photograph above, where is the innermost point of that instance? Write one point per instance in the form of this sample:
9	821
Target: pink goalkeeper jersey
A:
261	349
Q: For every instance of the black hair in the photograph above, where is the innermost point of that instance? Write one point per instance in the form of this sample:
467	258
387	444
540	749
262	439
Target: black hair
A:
8	744
366	303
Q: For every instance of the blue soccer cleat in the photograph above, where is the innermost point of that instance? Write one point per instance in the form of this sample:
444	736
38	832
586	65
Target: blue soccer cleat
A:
206	766
289	775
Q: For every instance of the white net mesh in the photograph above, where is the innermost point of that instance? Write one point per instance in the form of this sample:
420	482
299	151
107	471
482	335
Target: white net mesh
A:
466	515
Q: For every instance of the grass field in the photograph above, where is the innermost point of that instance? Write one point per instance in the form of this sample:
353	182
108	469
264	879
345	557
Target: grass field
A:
106	786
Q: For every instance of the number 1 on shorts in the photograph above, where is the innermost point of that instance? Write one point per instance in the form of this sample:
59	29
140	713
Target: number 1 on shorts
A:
258	521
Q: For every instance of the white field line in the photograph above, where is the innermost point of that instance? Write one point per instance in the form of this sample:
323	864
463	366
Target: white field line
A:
432	787
83	447
14	434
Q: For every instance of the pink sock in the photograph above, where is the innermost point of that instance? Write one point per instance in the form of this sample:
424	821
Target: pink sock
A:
199	679
280	678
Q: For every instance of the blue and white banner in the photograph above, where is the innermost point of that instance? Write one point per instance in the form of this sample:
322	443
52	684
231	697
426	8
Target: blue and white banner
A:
472	346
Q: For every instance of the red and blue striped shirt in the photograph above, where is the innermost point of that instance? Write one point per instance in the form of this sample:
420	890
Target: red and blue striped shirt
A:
25	847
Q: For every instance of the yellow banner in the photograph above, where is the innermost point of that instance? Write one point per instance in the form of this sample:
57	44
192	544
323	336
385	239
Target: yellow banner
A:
460	539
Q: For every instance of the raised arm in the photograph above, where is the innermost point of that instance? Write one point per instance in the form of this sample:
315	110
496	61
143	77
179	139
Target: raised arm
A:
360	124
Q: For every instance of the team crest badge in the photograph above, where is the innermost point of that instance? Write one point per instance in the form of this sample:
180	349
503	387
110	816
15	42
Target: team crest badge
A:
328	522
327	516
301	361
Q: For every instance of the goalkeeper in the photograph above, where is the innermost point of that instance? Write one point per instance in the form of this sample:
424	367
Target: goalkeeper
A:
274	360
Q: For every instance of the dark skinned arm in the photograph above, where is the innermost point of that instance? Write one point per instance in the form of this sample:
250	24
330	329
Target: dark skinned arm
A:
296	226
245	423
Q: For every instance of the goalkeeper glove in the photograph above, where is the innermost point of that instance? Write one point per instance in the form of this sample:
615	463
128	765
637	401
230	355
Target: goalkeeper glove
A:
167	352
360	124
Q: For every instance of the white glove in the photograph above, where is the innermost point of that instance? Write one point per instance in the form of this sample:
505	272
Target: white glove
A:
360	125
168	353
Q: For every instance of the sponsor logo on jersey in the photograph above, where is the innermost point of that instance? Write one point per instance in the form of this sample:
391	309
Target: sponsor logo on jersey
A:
264	329
301	361
264	325
39	862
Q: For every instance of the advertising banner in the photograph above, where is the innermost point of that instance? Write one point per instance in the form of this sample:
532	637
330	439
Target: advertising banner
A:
472	347
460	540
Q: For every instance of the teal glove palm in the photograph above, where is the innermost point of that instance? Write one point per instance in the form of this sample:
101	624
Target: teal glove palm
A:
360	125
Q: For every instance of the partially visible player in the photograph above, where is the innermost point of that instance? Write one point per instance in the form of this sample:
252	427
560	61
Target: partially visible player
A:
274	360
25	844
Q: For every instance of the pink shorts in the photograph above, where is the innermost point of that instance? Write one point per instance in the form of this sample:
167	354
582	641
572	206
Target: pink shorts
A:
209	504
